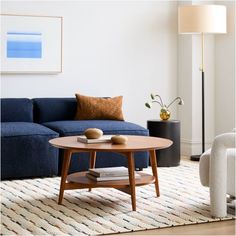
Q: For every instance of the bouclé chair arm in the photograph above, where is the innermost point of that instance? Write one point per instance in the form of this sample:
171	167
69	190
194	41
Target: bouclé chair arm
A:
218	173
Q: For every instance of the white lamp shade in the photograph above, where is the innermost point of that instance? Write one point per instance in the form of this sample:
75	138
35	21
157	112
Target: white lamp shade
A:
202	19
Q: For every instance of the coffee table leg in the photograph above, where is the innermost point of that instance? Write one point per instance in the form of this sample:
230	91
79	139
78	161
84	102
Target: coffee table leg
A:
92	159
64	172
92	162
132	179
153	162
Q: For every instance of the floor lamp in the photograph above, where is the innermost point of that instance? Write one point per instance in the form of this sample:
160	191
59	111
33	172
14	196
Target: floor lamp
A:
202	19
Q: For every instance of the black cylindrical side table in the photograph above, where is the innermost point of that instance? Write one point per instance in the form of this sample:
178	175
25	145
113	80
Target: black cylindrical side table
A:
166	129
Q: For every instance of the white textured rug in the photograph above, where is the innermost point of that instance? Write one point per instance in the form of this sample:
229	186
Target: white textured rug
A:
29	207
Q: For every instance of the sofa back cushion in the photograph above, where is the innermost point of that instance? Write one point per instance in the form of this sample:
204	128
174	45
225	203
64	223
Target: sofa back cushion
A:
54	109
16	110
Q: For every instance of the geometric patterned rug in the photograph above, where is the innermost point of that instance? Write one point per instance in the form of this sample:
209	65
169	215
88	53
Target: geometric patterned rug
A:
29	207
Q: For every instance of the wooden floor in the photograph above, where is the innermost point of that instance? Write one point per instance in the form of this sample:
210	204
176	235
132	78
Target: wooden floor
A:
216	228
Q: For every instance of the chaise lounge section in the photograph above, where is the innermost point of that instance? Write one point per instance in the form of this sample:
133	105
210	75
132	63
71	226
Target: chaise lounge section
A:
25	151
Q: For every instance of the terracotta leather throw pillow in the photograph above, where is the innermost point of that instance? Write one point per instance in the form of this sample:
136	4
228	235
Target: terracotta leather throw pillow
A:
94	108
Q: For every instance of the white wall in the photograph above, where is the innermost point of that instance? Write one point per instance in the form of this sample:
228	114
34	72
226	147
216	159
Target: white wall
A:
109	48
225	102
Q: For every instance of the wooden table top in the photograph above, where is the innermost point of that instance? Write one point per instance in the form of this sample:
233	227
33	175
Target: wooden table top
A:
134	143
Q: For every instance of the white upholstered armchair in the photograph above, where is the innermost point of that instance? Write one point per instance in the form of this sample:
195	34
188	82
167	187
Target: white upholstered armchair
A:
217	170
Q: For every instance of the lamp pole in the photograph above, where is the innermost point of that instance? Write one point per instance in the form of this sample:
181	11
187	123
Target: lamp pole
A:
197	157
203	98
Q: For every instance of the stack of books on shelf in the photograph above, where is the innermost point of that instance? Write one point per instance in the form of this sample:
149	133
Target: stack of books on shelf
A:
109	174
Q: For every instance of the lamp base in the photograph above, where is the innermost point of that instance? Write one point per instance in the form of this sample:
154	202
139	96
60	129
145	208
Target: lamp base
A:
195	157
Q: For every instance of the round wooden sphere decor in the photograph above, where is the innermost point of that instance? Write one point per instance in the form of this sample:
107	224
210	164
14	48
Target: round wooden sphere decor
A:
119	139
93	133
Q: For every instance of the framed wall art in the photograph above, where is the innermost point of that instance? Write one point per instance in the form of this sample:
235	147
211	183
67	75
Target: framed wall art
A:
31	44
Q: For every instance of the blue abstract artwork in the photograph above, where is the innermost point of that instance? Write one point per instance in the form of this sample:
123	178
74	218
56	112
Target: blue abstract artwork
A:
24	45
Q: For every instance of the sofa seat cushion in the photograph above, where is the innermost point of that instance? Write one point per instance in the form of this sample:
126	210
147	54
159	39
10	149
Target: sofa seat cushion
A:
72	127
9	129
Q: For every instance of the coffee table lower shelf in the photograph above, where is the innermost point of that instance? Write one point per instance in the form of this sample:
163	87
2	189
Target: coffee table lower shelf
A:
79	180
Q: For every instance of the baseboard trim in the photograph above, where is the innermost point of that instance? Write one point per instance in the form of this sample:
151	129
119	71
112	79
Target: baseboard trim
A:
192	147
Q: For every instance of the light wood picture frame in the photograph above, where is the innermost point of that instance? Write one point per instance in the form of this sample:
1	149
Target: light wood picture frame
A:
31	44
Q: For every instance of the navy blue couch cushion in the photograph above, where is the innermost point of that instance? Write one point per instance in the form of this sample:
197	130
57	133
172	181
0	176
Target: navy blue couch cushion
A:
26	152
16	109
74	127
10	129
54	109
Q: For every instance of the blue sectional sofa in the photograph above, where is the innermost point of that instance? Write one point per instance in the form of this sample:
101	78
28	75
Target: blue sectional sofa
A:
28	124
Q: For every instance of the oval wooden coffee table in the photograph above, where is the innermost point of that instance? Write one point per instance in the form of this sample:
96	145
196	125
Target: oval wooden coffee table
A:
135	143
